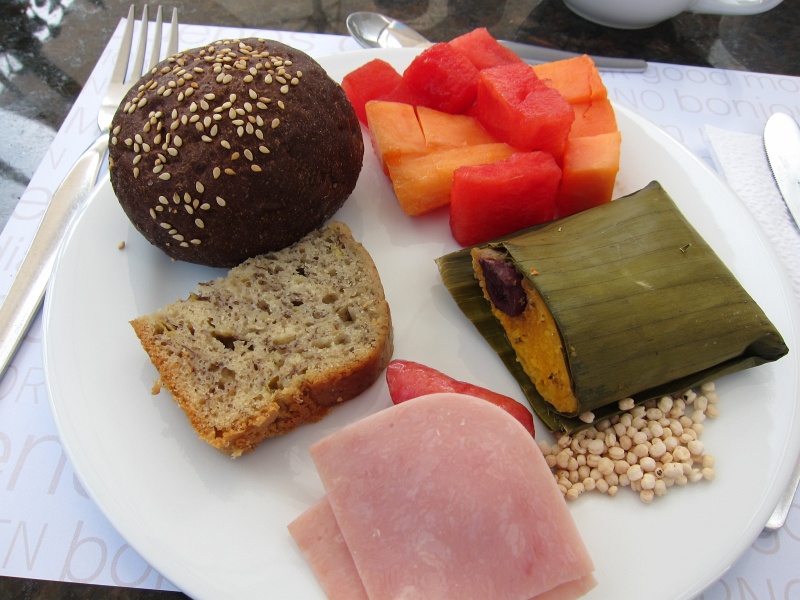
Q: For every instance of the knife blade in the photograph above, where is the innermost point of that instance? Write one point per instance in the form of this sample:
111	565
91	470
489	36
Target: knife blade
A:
25	295
782	144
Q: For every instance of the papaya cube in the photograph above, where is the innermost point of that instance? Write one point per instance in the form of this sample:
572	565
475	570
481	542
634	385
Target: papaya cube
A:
443	78
515	106
493	200
483	50
593	118
577	79
443	130
589	172
423	183
394	131
370	81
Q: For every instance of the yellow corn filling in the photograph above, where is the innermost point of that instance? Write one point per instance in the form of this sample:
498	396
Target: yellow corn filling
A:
534	336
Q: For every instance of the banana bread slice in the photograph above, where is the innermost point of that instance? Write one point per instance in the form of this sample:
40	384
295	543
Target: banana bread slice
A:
276	343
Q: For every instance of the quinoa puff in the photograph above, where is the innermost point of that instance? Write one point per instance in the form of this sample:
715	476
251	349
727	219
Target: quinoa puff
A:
234	149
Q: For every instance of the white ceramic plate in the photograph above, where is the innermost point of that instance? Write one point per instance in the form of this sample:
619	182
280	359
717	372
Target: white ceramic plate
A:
217	528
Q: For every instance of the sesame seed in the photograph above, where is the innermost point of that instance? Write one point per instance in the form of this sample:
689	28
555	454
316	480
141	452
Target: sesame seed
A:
206	138
281	105
247	154
263	149
178	141
172	151
164	176
284	89
165	225
255	168
199	187
163	200
259	134
136	159
221	201
275	123
209	96
195	241
205	206
135	172
193	107
229	171
225	144
235	156
189	209
189	91
152	214
247	78
167	92
217	171
268	78
158	168
199	223
203	104
146	147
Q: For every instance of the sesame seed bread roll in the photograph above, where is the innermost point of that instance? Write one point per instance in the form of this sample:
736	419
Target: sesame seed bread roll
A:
278	342
232	150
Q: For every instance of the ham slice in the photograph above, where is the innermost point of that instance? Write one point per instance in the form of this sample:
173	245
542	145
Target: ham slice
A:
444	496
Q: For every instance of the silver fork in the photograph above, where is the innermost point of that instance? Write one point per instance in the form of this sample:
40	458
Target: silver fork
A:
27	290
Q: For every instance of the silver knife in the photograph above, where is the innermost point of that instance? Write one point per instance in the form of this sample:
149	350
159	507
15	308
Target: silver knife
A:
782	144
21	304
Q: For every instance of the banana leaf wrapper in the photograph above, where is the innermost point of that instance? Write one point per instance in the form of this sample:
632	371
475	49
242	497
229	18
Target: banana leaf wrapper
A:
643	305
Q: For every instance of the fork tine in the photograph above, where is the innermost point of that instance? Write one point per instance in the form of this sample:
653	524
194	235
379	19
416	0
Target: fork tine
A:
156	49
172	43
121	66
138	62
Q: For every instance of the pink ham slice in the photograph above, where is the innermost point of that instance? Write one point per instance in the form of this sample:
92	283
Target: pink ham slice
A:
444	496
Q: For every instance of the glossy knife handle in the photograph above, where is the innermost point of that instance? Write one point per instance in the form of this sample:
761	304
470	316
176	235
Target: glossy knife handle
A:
540	54
27	289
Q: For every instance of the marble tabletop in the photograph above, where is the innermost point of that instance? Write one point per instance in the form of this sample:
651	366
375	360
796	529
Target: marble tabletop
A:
51	50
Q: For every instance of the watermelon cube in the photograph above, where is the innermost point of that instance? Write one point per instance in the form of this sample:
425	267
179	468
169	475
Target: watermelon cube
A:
443	78
370	81
515	106
493	200
483	50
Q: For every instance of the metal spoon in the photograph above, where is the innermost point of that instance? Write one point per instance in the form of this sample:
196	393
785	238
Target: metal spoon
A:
374	30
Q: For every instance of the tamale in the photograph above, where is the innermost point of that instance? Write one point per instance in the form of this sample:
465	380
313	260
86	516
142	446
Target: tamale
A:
640	305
